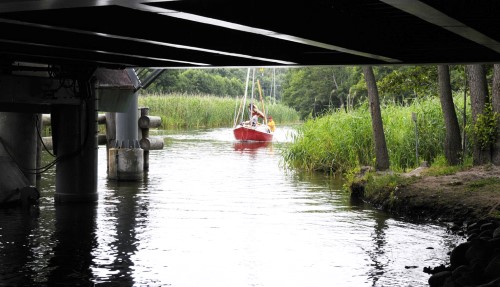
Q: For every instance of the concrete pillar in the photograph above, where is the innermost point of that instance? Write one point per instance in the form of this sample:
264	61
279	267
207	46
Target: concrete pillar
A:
39	148
127	126
18	133
126	158
14	186
117	92
110	129
126	164
110	135
74	133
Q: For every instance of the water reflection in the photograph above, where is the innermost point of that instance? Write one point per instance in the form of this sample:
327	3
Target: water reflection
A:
250	146
75	239
377	255
253	149
16	227
130	213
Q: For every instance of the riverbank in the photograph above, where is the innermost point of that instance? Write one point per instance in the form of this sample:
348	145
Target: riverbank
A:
463	197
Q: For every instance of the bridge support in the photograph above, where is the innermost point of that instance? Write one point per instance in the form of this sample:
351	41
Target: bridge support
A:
18	133
117	94
74	130
18	150
126	158
74	134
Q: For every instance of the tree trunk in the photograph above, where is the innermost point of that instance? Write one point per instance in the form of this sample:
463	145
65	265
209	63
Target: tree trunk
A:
381	154
495	101
452	144
476	77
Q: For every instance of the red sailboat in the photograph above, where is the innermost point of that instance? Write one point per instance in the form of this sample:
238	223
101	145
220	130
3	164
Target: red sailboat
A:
252	130
260	133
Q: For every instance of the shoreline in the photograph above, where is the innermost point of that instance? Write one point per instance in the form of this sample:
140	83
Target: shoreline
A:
462	198
468	199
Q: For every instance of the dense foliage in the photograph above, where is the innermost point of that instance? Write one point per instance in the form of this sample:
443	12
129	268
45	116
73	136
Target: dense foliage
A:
229	82
314	91
311	91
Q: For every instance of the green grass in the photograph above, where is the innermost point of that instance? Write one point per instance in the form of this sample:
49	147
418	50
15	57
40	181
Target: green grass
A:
482	183
380	189
440	167
340	141
181	111
442	170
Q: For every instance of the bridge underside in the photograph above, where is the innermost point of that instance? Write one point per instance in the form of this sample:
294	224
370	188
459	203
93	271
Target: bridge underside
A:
228	33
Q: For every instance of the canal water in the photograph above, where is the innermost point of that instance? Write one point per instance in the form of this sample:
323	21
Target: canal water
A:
214	212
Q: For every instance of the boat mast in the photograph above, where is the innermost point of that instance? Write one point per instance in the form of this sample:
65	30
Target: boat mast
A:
243	102
253	88
274	85
262	102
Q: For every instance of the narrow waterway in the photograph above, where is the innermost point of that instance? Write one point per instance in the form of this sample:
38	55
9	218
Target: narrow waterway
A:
213	212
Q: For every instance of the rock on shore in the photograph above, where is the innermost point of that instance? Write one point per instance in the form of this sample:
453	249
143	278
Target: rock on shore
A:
474	263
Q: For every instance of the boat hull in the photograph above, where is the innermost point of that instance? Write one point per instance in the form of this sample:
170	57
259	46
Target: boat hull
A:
243	133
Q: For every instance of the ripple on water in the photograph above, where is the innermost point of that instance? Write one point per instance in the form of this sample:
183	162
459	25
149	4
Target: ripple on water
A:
211	212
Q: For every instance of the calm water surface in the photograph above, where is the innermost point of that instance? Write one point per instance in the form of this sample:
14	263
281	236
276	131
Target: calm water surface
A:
212	212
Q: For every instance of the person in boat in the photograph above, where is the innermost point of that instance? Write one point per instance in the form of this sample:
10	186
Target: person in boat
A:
254	110
271	124
256	114
255	120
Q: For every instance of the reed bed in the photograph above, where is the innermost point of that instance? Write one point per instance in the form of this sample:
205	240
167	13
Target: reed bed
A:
182	111
340	142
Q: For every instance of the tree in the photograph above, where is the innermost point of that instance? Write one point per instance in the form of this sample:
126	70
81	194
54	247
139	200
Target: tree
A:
495	101
308	90
219	82
404	82
165	83
314	91
452	145
381	154
476	77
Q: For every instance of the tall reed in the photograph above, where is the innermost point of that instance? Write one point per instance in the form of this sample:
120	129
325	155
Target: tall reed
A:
339	141
179	111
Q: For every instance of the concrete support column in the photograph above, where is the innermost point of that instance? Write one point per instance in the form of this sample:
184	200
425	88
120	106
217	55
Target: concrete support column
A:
18	133
126	159
110	135
127	126
39	147
74	134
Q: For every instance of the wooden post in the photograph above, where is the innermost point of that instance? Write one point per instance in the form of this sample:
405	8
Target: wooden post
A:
145	135
414	118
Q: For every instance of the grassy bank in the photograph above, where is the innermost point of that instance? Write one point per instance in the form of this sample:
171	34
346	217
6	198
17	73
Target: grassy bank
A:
459	194
196	111
341	141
